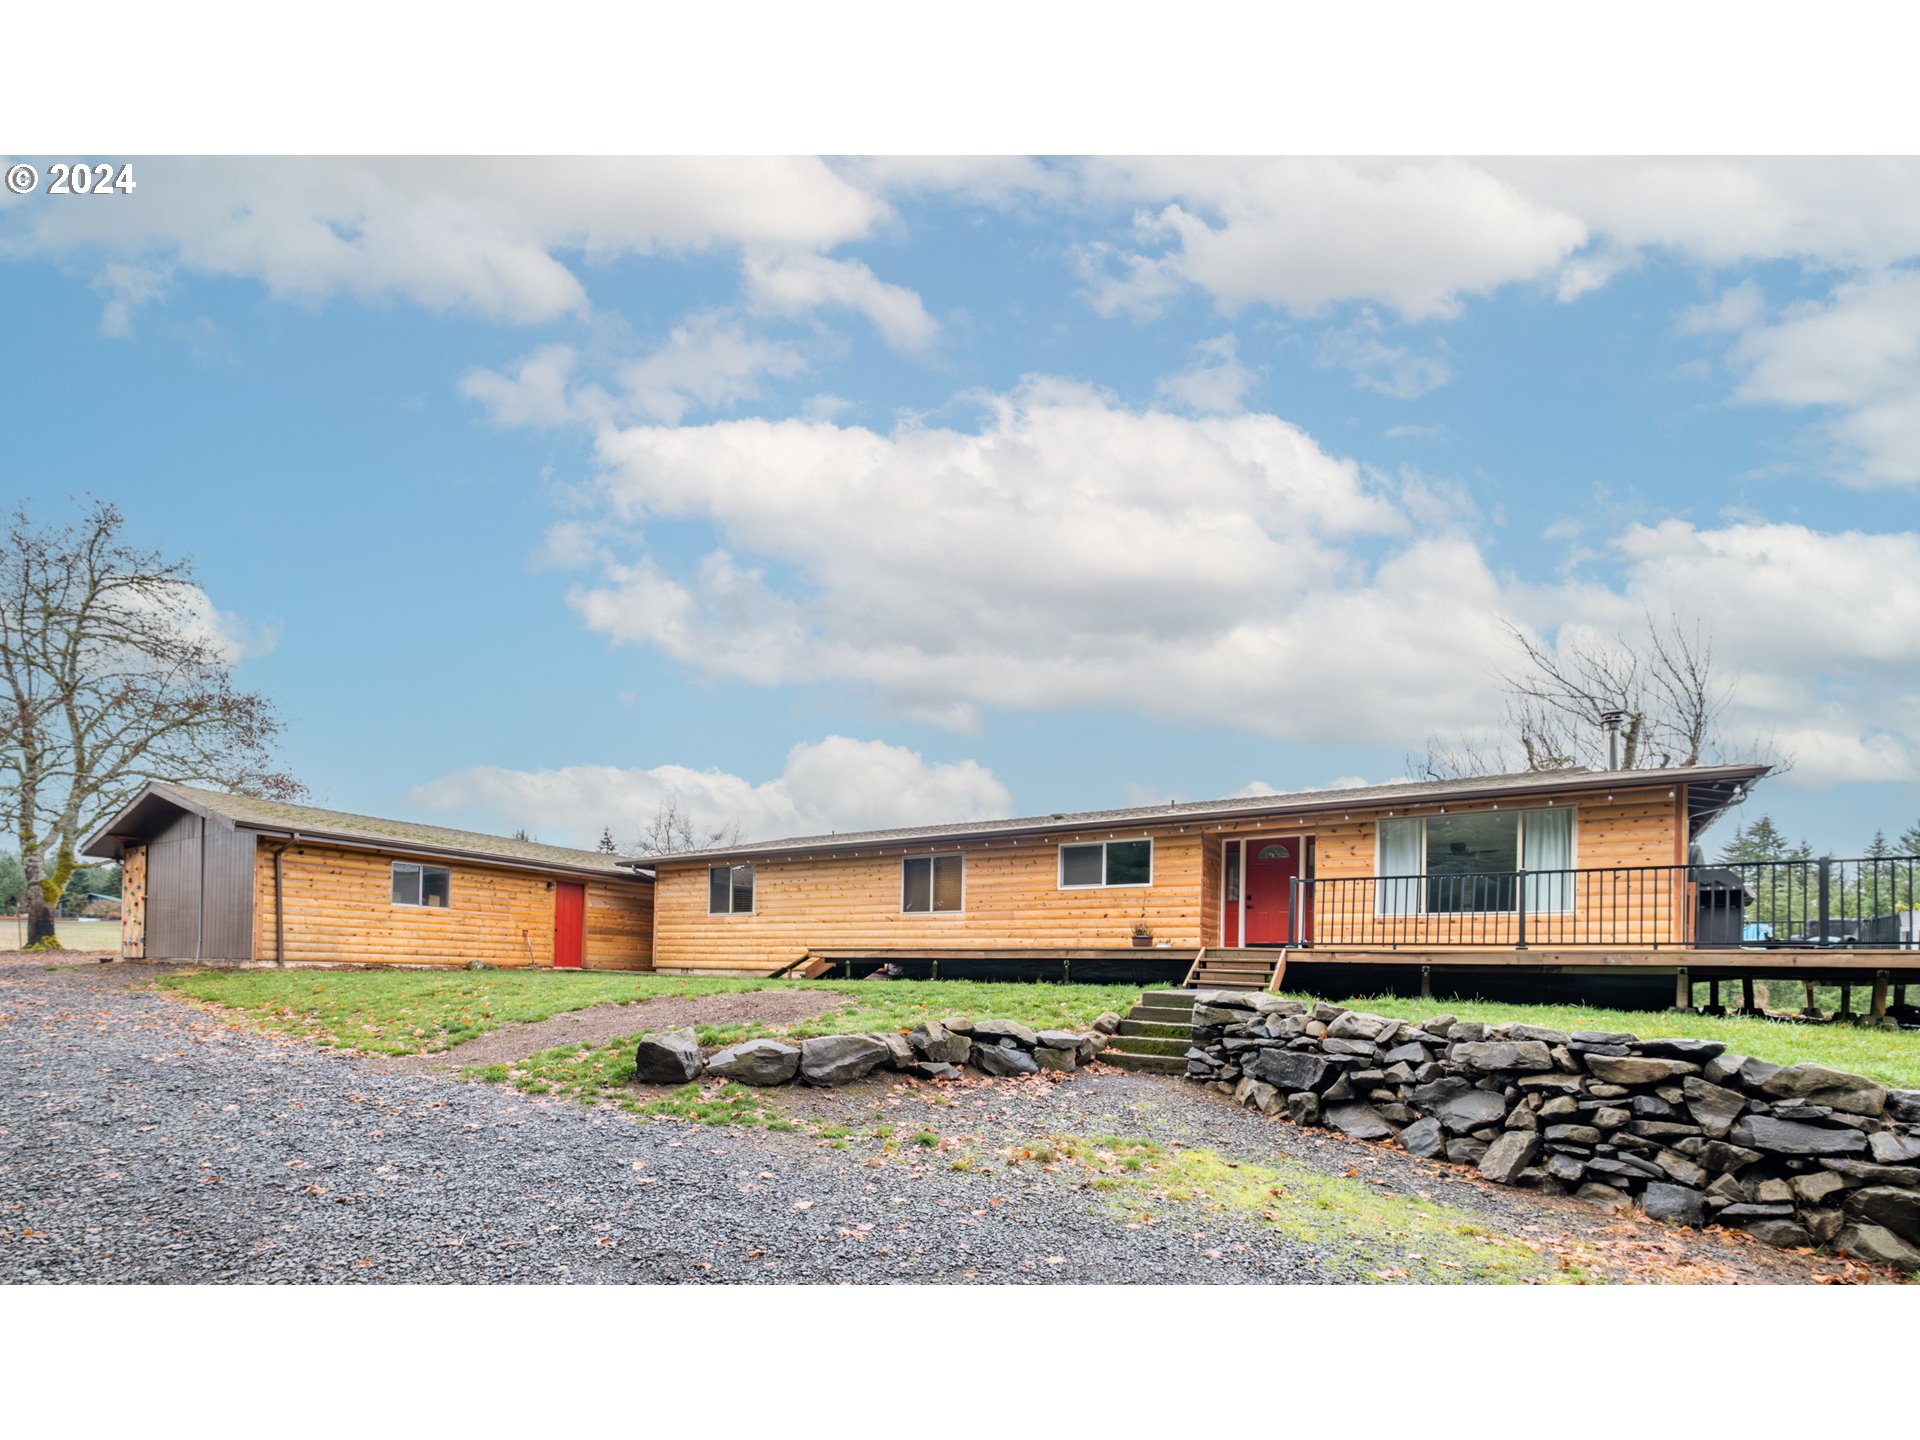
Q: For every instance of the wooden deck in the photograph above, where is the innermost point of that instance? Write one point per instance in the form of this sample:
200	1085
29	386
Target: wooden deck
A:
1809	963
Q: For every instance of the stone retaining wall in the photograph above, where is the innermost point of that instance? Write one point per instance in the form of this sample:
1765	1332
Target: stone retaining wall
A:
934	1050
1796	1155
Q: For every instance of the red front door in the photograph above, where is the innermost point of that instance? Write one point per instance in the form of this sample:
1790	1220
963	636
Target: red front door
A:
569	924
1271	865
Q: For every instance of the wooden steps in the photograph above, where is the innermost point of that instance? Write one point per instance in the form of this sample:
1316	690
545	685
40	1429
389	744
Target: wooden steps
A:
1237	970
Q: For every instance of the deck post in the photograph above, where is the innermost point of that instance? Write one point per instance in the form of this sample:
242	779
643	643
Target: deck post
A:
1713	996
1826	883
1811	1009
1879	1010
1846	999
1521	904
1747	1007
1682	989
936	967
1426	982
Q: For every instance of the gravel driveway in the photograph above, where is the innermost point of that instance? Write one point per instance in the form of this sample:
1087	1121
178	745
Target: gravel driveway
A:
143	1140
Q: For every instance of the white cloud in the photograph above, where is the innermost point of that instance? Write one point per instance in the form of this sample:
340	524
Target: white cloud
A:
1858	355
1737	308
833	784
1392	370
1215	383
128	287
1305	234
1820	629
708	362
800	284
1064	570
480	235
538	393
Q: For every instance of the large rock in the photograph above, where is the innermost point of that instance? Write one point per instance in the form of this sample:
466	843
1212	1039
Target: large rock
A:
1004	1060
757	1062
1895	1209
1358	1025
1904	1106
1537	1032
1362	1122
934	1042
1837	1090
1049	1057
1496	1055
1879	1244
992	1032
1676	1204
841	1059
1508	1156
667	1057
1698	1051
1714	1107
1293	1069
1107	1023
1424	1138
1890	1147
1793	1137
1865	1172
1638	1069
1787	1234
1458	1105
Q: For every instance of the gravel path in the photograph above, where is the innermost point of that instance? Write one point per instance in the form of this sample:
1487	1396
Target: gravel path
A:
142	1140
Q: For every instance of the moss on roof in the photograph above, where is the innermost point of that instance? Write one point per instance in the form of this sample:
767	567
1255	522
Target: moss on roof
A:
322	824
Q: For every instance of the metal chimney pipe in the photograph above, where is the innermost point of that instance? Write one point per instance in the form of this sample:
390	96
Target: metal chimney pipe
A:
1611	721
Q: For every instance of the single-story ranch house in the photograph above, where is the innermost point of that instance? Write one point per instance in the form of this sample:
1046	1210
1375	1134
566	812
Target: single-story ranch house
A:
1556	872
218	877
1592	875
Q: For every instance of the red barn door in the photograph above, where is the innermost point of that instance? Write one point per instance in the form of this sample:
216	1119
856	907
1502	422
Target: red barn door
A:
569	924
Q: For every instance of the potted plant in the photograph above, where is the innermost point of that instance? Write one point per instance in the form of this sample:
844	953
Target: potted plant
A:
1142	934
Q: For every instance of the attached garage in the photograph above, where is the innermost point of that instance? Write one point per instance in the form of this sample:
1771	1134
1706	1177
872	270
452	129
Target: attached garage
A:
229	878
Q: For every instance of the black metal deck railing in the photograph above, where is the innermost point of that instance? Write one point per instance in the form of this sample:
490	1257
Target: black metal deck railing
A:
1872	902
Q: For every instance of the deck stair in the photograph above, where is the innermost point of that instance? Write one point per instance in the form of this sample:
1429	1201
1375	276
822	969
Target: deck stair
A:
1237	970
1156	1034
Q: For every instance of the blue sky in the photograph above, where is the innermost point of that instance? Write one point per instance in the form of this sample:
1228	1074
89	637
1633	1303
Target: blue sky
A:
825	494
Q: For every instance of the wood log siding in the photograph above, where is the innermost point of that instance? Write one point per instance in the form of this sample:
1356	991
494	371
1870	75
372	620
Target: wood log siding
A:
340	908
852	903
1634	828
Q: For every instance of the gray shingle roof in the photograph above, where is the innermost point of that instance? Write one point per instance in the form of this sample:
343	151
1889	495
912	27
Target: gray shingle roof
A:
311	820
1729	777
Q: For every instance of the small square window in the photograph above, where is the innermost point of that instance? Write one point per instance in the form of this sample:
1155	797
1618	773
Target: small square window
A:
730	889
425	885
932	884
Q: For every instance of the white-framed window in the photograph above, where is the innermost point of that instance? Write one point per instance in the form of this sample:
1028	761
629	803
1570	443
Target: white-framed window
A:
1468	863
730	889
1103	864
933	884
426	885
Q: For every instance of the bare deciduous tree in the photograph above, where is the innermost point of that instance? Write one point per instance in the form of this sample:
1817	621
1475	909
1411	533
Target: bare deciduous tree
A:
110	676
1661	683
672	830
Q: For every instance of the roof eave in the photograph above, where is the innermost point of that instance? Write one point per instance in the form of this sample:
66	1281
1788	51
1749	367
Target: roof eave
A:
1298	804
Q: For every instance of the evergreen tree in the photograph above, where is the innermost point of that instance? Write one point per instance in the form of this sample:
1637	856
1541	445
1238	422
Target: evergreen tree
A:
606	845
1878	848
1761	840
1909	841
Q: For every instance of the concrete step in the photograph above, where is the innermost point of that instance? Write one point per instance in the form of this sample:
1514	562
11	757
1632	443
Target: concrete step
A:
1150	1044
1161	1015
1168	999
1159	1030
1155	1064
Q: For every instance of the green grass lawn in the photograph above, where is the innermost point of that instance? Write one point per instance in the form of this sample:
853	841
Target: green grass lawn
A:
1891	1057
400	1012
86	935
403	1012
